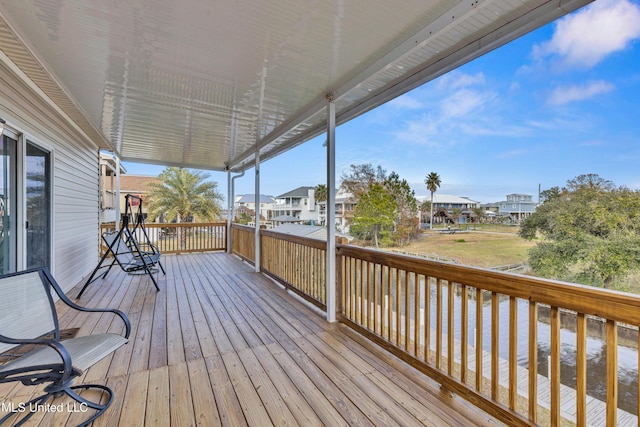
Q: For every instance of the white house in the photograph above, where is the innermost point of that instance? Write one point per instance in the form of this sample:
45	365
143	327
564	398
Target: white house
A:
248	201
299	203
344	207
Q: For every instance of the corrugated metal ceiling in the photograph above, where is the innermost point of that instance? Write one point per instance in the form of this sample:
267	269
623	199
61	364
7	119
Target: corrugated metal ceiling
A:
205	83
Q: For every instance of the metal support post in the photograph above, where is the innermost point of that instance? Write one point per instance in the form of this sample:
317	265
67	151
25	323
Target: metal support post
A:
257	216
331	202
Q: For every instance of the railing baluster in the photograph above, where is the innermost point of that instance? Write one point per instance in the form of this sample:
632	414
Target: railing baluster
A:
389	305
533	361
464	336
416	314
555	366
495	344
438	322
379	296
513	352
407	311
427	319
479	331
372	296
581	370
612	372
450	328
398	289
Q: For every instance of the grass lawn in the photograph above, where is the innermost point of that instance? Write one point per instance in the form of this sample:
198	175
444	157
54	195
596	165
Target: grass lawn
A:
476	248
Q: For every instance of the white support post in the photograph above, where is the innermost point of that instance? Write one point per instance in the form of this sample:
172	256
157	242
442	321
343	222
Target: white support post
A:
331	202
257	203
117	203
232	209
229	210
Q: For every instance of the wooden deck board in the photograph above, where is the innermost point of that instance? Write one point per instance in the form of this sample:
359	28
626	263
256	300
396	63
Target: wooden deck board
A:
223	345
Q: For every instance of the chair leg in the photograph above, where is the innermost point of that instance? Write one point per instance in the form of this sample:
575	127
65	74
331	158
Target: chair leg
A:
33	406
100	408
27	409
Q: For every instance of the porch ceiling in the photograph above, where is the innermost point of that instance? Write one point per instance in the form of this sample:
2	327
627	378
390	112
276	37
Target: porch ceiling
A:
205	83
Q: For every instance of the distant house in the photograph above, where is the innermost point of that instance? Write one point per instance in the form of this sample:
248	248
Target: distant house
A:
444	204
517	207
344	208
299	203
247	203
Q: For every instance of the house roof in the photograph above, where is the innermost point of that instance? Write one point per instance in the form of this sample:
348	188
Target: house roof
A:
440	198
207	84
298	192
251	198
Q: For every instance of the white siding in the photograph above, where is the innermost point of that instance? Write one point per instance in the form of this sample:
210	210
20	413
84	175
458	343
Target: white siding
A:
74	175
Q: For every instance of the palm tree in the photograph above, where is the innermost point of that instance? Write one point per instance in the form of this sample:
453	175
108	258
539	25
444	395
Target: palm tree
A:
433	182
321	193
184	196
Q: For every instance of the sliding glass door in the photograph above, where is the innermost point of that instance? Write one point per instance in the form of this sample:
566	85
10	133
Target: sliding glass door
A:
38	214
8	210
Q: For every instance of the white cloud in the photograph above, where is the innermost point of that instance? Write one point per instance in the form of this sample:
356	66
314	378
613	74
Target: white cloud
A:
406	102
565	94
588	36
463	102
455	80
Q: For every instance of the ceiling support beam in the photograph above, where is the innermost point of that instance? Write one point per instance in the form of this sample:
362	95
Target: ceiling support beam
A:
330	210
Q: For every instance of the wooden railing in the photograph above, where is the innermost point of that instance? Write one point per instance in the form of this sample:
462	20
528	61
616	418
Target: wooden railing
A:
475	331
447	320
243	242
298	263
181	237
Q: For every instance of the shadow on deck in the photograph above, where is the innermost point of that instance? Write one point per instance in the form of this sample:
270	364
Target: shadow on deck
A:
222	345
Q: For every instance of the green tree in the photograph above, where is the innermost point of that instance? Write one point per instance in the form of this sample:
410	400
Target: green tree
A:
321	193
374	214
590	232
432	181
456	213
361	178
425	208
479	213
406	215
184	196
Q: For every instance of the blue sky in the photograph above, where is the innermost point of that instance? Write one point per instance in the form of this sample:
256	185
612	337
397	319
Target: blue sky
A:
559	102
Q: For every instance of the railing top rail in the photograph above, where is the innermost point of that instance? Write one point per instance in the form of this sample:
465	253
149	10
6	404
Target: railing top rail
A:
242	227
307	241
172	224
608	304
185	224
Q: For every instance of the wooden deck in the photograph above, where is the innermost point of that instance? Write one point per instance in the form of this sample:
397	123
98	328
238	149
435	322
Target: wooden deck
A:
222	345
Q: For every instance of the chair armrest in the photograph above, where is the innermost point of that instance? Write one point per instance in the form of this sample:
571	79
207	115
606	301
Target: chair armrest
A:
75	306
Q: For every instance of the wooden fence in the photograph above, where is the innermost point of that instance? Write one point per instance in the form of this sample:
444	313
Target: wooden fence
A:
296	262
